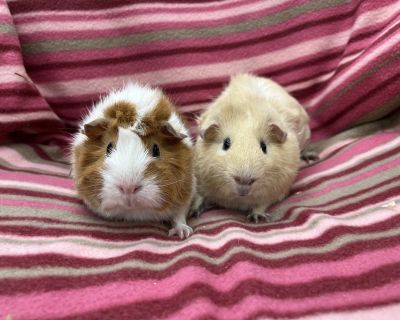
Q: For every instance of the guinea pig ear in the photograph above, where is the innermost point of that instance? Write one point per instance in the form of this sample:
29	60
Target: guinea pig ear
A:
168	130
277	134
210	133
96	128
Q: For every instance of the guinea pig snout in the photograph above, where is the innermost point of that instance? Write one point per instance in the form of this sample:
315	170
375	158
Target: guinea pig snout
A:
243	184
244	180
129	188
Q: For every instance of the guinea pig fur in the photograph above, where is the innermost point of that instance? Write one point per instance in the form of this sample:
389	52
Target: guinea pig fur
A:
133	159
248	150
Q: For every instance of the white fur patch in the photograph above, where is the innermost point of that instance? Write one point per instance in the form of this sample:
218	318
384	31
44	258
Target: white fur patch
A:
178	125
129	159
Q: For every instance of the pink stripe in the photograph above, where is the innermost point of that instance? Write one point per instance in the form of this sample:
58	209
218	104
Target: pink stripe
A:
14	158
8	39
42	179
5	15
67	302
17	84
17	108
10	59
31	186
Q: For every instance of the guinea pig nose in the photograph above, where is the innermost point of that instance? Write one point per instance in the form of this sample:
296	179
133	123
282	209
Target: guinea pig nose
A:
247	181
129	188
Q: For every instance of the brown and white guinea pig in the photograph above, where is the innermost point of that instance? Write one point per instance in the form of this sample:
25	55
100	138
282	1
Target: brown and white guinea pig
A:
133	159
248	150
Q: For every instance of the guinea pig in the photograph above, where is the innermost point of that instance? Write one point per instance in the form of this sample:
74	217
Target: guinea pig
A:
133	159
248	150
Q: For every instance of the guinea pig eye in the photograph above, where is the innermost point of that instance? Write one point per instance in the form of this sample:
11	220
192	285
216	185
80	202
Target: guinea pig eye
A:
227	144
155	151
109	148
263	146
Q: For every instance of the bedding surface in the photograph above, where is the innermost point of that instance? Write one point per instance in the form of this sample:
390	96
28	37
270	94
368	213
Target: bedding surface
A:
333	248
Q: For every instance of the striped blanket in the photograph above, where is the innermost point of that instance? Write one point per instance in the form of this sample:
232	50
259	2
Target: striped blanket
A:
333	249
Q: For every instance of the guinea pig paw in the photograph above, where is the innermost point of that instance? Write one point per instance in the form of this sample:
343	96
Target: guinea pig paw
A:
181	230
258	216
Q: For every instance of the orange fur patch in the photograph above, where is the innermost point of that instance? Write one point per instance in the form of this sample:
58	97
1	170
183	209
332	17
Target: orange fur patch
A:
173	169
123	112
89	159
161	112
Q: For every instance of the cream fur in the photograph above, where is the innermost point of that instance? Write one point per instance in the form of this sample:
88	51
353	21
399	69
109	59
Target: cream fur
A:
244	112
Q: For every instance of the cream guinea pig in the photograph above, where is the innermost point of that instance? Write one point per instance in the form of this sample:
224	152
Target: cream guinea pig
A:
248	150
133	159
